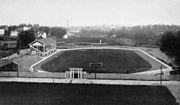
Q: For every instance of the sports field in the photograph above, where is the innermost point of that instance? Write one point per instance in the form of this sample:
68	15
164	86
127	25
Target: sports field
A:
98	61
83	94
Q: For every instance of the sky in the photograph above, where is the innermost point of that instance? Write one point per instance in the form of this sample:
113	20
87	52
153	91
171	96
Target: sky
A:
89	12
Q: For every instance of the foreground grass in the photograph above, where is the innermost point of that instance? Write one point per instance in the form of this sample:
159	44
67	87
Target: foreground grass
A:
76	94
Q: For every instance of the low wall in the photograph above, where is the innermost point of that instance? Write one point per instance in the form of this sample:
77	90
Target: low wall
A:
127	76
8	74
41	75
175	77
146	77
32	74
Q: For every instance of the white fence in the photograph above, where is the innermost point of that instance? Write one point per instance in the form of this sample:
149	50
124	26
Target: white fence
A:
106	76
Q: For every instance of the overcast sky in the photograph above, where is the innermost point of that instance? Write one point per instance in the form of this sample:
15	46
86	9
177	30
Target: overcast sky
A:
90	12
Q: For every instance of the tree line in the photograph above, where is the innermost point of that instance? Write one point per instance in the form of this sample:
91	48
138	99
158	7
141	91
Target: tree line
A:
142	35
170	45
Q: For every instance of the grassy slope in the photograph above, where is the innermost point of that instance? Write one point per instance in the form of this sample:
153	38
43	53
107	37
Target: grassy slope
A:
117	61
62	94
158	54
9	67
156	65
27	60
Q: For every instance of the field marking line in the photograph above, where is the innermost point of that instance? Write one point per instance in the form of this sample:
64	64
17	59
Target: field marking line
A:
105	47
165	70
31	67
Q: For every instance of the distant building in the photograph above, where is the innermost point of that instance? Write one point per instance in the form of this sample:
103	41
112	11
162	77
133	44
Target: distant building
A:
43	47
74	30
14	33
71	33
65	36
42	34
114	36
20	29
7	41
2	31
25	28
8	44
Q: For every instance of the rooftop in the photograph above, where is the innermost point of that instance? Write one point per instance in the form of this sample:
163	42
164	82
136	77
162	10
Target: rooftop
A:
46	41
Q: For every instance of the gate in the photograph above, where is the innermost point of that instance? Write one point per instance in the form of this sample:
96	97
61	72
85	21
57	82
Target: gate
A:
75	73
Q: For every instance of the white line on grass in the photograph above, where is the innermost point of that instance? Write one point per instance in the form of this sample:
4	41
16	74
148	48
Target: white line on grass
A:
31	68
165	70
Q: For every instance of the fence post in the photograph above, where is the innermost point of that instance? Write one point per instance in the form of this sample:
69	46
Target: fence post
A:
53	71
161	75
17	69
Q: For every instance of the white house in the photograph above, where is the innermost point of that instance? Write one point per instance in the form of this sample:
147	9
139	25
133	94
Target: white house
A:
71	33
26	28
114	36
8	44
42	34
14	33
65	36
43	47
2	32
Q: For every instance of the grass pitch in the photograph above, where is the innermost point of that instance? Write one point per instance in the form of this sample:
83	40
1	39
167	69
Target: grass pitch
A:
98	61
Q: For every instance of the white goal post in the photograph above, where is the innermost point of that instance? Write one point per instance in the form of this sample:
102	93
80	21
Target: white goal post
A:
96	65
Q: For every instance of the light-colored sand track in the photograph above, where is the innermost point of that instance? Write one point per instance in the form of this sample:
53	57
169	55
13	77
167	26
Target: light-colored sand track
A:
166	68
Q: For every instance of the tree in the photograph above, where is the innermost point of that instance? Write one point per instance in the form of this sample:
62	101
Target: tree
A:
45	29
170	45
26	37
58	32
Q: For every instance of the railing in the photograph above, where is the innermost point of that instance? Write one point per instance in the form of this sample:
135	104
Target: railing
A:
42	53
36	49
9	59
4	62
